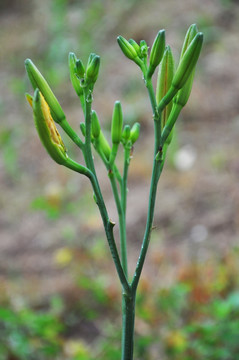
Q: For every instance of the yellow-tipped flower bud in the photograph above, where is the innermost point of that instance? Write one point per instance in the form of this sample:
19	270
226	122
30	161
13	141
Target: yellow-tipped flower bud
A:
188	62
183	95
47	130
117	123
92	68
165	77
29	99
38	81
134	133
74	80
157	52
95	125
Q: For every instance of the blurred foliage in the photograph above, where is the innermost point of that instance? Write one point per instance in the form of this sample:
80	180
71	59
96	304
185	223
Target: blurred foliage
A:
195	318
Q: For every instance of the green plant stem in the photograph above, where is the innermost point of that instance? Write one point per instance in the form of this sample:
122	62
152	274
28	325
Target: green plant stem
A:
122	227
108	225
71	133
125	178
128	318
156	171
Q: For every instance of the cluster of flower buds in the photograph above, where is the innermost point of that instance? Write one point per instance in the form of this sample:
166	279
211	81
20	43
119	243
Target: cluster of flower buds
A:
173	87
81	76
172	93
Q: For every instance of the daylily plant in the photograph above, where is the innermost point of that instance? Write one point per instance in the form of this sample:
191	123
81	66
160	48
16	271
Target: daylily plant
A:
171	95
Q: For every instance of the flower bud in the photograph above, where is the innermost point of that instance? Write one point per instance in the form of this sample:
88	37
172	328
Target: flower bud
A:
82	128
191	33
128	50
165	77
157	52
117	123
47	130
188	62
80	69
38	81
92	68
135	46
126	134
73	71
95	125
143	49
184	93
134	133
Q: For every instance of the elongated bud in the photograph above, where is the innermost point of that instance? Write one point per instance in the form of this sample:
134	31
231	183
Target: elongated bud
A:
47	130
191	33
38	81
80	69
183	94
134	133
128	50
95	125
188	62
165	77
135	46
74	80
125	134
117	123
157	52
92	69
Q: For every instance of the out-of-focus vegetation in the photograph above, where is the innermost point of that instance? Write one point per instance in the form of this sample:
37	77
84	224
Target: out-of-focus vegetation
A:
52	306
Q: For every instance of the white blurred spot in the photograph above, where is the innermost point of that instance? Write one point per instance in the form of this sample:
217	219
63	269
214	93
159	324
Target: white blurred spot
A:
199	233
185	158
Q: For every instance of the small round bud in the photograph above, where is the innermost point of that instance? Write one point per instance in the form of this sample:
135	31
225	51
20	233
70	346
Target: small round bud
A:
134	133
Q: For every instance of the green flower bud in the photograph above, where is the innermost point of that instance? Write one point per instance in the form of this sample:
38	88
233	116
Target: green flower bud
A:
92	69
135	46
47	130
80	69
38	81
128	50
82	128
126	134
165	77
74	80
188	62
134	133
191	33
117	123
157	52
143	49
95	125
183	94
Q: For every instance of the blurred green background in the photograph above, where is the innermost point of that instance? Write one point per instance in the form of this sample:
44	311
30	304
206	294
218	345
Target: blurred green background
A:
59	297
